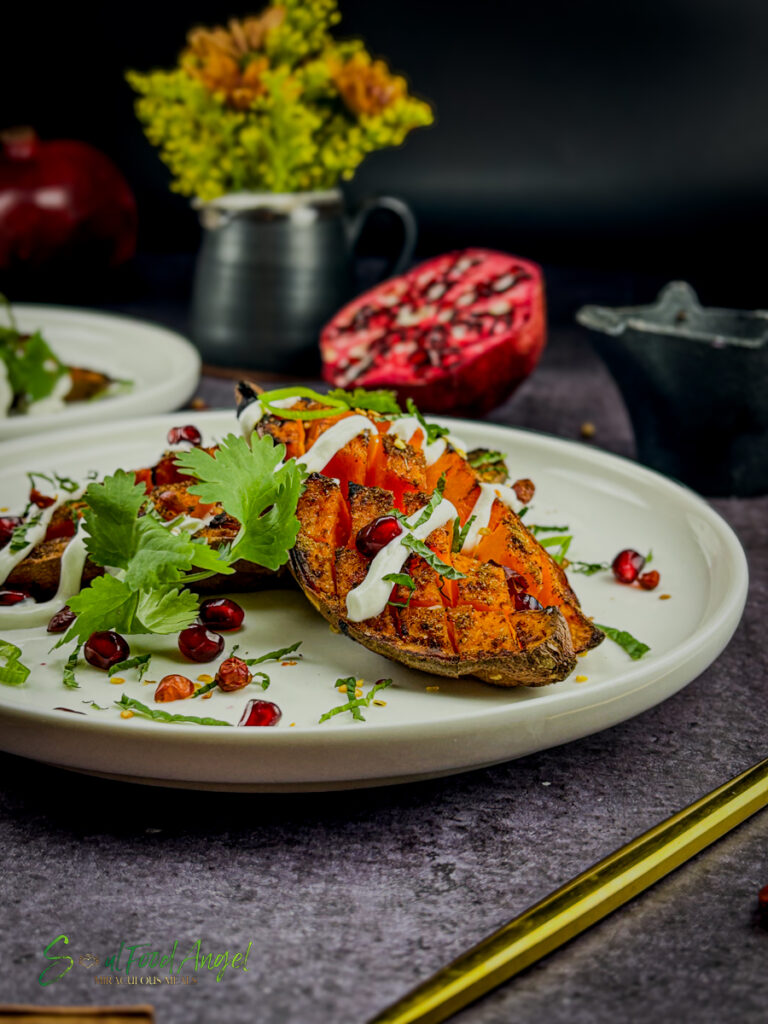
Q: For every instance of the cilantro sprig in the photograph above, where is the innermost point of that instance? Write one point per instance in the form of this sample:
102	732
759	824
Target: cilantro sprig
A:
257	488
418	547
273	655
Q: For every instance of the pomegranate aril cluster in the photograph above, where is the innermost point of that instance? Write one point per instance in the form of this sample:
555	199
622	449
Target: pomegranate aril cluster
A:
627	568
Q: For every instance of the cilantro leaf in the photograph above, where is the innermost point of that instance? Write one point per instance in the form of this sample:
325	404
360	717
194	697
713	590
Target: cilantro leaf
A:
127	703
162	556
635	648
255	488
12	672
108	603
111	519
32	365
369	401
164	610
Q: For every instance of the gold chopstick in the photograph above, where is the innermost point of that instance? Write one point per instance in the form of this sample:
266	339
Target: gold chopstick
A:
581	902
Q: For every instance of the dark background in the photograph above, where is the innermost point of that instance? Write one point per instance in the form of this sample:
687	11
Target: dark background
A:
624	139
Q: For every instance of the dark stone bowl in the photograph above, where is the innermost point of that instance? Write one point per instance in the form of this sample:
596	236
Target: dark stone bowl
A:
695	382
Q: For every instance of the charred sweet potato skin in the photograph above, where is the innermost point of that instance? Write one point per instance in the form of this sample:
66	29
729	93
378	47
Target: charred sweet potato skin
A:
449	628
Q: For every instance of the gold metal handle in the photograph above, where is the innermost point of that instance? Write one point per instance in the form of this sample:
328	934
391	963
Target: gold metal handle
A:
581	902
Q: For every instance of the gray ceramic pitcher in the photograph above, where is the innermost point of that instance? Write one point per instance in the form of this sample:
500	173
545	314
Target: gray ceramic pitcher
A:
273	268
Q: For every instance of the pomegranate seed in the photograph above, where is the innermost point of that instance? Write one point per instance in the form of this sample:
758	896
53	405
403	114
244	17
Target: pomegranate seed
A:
190	434
7	525
105	648
221	613
173	687
261	712
199	644
233	675
518	594
377	534
627	564
649	580
9	597
62	620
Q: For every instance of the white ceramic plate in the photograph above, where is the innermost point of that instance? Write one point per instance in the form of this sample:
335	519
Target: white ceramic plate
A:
608	503
163	366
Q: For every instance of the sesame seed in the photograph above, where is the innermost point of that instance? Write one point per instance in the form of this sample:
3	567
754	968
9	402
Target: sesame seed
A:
587	429
432	689
150	682
359	691
582	654
4	508
126	714
664	597
117	680
380	703
581	679
484	531
400	443
289	663
207	696
205	678
291	725
341	689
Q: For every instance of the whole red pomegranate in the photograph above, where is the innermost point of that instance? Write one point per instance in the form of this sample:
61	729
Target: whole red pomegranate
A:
61	200
457	334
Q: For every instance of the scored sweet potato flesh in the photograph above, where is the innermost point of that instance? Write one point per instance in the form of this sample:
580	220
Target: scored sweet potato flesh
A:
467	626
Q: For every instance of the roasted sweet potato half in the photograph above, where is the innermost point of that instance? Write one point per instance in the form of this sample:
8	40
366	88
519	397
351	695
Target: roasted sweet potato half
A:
462	627
467	622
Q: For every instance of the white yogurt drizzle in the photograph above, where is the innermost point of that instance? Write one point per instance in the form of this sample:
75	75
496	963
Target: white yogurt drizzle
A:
26	615
34	535
407	426
370	597
333	440
482	511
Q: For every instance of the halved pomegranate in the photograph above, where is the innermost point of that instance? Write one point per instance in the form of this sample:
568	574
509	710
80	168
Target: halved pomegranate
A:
457	333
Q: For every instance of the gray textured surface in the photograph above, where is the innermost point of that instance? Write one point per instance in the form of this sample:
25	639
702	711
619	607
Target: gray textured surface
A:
350	899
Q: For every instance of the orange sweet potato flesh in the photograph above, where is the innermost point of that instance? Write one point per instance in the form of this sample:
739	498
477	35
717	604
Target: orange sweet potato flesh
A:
377	472
464	627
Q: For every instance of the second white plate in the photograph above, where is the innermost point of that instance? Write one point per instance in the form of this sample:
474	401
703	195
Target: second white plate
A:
163	366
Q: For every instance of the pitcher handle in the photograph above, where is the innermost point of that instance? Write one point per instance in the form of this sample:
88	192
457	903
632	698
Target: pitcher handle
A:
403	212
